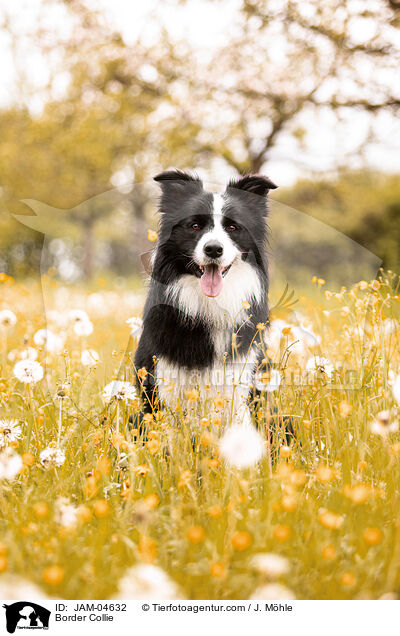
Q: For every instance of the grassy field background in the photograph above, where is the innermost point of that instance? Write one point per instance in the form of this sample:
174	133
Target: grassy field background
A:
89	510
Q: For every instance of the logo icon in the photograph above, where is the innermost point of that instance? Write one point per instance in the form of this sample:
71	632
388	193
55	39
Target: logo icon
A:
26	615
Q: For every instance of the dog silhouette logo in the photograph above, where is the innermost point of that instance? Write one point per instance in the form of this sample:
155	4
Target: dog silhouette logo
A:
26	615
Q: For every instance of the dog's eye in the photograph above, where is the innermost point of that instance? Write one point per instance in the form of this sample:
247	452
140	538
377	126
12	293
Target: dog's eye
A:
195	226
232	227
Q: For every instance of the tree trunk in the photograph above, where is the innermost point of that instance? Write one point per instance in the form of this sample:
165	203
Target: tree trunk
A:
88	227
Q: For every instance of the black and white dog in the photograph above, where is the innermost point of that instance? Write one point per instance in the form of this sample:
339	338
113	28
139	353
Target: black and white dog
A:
208	292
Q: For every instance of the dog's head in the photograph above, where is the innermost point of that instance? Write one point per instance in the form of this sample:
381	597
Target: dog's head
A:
205	234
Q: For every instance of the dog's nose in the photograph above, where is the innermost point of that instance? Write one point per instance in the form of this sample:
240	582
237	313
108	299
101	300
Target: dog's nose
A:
213	249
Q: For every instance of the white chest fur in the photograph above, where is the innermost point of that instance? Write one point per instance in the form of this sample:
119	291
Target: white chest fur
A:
240	283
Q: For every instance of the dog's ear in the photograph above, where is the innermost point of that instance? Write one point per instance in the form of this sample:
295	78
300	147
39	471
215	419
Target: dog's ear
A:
176	179
253	183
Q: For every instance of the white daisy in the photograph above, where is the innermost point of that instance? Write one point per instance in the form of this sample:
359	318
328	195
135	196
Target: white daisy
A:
241	446
383	424
57	318
29	354
119	390
48	339
78	315
390	326
396	389
28	371
52	456
273	592
10	431
147	582
136	325
81	322
10	464
318	364
270	564
90	358
15	588
83	328
66	514
7	318
12	355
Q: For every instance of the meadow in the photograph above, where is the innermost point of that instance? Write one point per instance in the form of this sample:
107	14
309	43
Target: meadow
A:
92	509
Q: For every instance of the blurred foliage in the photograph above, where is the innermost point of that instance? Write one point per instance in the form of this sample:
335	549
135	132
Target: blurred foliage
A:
363	205
128	110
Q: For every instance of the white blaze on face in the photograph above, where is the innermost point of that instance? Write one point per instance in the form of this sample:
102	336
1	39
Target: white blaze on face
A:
211	281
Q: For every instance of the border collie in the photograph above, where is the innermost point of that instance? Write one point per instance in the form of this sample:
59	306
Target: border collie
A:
208	292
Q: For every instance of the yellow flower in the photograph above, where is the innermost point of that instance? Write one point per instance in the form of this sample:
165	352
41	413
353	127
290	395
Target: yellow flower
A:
195	534
219	403
84	514
324	474
97	437
53	575
214	511
321	281
395	448
363	285
141	470
41	509
192	395
289	503
185	478
101	508
298	478
152	236
245	304
217	570
142	372
284	471
375	285
151	501
213	462
285	452
241	540
372	536
330	520
345	409
90	488
206	439
147	548
261	326
358	494
118	441
329	552
28	459
103	463
282	533
347	579
153	446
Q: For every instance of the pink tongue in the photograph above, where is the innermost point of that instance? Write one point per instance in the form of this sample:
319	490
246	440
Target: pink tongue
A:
211	281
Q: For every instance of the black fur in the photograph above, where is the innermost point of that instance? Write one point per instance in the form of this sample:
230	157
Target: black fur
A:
167	332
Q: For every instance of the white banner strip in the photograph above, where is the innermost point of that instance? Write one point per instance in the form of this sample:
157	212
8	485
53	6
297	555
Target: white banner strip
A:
193	617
